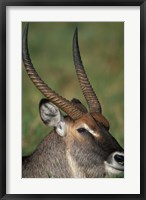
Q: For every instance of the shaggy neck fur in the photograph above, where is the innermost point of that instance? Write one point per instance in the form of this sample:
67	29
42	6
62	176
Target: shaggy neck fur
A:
49	160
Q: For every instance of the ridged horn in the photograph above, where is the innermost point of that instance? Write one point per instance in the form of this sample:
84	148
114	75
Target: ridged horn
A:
51	95
89	94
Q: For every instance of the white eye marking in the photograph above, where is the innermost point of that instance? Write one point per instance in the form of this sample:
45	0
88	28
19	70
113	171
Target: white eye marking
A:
90	130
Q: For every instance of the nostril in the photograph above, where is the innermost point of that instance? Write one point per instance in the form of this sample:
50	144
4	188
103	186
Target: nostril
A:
115	161
119	158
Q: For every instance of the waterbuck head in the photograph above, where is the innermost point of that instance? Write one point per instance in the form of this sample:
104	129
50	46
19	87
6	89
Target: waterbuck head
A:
91	150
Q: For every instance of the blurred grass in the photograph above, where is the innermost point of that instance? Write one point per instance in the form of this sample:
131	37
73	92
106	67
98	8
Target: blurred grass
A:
102	51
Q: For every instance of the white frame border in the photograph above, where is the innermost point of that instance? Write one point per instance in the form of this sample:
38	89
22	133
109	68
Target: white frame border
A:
131	17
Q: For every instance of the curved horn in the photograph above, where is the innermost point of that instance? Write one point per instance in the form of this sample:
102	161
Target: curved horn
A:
89	94
51	95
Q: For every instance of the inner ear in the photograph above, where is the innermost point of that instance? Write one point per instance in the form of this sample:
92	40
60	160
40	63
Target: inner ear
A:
51	116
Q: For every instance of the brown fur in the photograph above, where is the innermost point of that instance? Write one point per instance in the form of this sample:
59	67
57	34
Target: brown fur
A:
74	155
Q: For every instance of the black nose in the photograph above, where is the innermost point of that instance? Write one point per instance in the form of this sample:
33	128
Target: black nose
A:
119	159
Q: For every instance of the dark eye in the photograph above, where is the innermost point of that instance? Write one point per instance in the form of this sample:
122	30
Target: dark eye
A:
82	130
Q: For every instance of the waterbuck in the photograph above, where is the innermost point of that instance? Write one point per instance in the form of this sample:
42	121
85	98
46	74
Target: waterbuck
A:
80	145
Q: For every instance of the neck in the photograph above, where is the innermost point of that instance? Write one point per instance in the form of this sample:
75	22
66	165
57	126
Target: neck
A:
57	160
49	159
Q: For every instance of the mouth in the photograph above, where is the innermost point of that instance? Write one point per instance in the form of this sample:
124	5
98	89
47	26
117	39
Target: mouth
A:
119	167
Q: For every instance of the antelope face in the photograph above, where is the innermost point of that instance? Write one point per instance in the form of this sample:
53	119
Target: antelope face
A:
94	150
90	148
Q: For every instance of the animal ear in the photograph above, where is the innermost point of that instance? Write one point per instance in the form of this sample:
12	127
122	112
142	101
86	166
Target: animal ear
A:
79	105
51	116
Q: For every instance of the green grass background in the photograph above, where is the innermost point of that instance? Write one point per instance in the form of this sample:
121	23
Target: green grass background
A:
102	51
